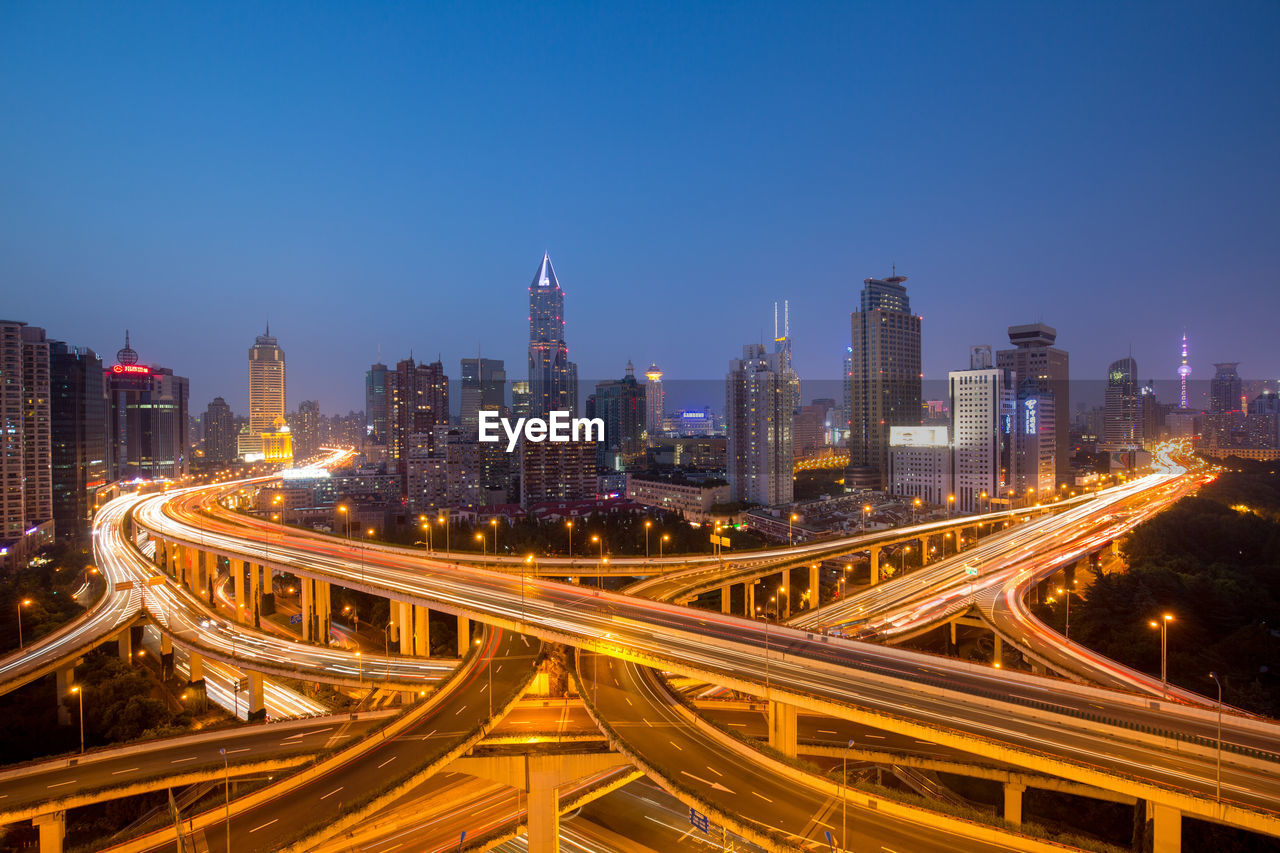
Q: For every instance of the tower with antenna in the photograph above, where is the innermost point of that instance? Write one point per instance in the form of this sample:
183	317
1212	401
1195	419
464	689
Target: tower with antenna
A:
1184	372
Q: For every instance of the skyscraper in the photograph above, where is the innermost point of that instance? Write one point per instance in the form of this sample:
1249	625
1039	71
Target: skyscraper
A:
417	401
1121	429
553	379
1226	389
884	373
219	433
375	403
759	407
620	403
654	398
484	383
146	419
266	391
26	484
78	435
305	427
982	407
1184	374
1035	359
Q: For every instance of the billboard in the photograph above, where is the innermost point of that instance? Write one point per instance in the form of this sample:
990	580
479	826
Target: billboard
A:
917	436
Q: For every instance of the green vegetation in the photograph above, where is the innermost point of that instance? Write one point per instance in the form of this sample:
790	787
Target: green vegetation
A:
1213	563
47	583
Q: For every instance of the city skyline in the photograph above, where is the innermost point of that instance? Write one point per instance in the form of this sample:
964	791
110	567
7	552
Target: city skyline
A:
193	197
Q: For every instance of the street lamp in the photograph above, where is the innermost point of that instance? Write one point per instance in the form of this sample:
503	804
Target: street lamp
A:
866	513
26	602
1163	625
493	522
484	552
360	663
226	778
444	522
569	524
951	502
1066	632
844	796
915	505
80	693
528	561
647	525
902	563
792	519
1214	676
386	646
346	518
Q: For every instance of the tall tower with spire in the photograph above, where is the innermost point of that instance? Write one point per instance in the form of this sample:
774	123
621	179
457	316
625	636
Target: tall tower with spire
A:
553	378
266	391
1184	374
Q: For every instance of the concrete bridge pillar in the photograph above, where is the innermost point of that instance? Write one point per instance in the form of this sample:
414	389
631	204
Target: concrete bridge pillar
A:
257	707
65	678
873	557
404	621
464	635
1013	802
422	631
725	606
255	593
924	551
308	608
237	570
203	576
124	644
1166	830
997	656
196	662
783	730
544	809
53	829
324	603
815	588
749	598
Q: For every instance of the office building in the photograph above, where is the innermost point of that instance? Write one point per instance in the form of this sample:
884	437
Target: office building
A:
219	433
1035	430
690	500
521	399
1121	427
375	404
556	471
982	401
553	379
266	392
305	426
78	435
884	374
920	463
1034	358
654	399
447	473
484	382
26	478
146	419
760	404
620	403
417	401
1226	391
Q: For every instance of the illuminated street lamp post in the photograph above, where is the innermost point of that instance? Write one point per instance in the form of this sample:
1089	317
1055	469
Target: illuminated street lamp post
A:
902	563
386	646
80	694
792	519
866	513
484	546
529	561
647	525
360	663
493	522
915	505
569	524
666	537
1214	676
444	522
346	517
26	602
951	503
1163	624
1066	631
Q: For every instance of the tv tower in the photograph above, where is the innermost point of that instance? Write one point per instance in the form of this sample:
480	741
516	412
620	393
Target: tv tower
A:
1184	370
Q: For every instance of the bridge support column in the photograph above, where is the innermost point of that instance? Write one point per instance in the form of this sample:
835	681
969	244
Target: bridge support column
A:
237	567
203	576
873	557
255	593
324	602
815	588
1013	802
422	631
749	599
464	635
924	551
997	656
196	663
53	829
544	809
65	678
308	608
257	707
783	728
725	606
1166	830
404	621
784	601
124	644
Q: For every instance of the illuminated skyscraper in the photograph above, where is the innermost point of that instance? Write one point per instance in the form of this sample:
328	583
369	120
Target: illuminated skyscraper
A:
982	402
484	383
146	419
553	379
884	373
654	397
26	487
375	403
219	433
1035	359
760	409
78	434
1184	373
417	401
1226	389
1122	428
266	391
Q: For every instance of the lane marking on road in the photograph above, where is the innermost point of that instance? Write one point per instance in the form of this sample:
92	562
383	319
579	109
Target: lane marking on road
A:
825	732
460	710
676	745
388	761
241	749
715	786
761	796
265	825
118	772
180	760
60	784
715	771
331	793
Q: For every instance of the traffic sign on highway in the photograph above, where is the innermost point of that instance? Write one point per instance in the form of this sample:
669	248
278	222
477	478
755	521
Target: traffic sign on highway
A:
123	585
295	619
720	540
698	819
971	570
155	580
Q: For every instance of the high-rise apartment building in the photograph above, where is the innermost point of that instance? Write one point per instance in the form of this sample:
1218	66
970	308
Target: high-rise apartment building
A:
26	479
219	433
1226	391
146	419
305	427
620	403
1034	358
920	464
417	401
375	404
1121	426
553	379
760	401
266	392
446	475
884	373
1035	432
654	400
484	382
982	401
78	435
521	399
563	471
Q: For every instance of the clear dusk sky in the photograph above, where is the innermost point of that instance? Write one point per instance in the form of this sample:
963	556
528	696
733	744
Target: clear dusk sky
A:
371	174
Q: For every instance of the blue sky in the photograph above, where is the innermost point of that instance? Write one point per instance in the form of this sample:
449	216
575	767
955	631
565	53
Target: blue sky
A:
390	174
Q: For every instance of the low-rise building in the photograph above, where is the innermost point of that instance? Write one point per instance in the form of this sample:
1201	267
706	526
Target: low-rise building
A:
692	499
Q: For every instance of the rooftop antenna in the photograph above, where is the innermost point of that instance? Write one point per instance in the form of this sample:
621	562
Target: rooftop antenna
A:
775	320
786	318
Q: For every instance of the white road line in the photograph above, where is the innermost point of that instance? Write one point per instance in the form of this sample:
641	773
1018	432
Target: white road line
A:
388	761
761	796
676	745
180	760
331	793
60	784
265	825
241	749
118	772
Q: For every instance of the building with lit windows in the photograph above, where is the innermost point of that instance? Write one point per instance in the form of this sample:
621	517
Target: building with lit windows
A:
375	404
146	419
620	403
982	403
219	433
78	435
553	378
483	386
1121	425
26	484
760	403
1035	359
417	402
920	463
266	392
654	399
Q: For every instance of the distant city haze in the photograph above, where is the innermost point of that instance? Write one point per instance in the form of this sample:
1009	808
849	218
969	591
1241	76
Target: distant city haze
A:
388	180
